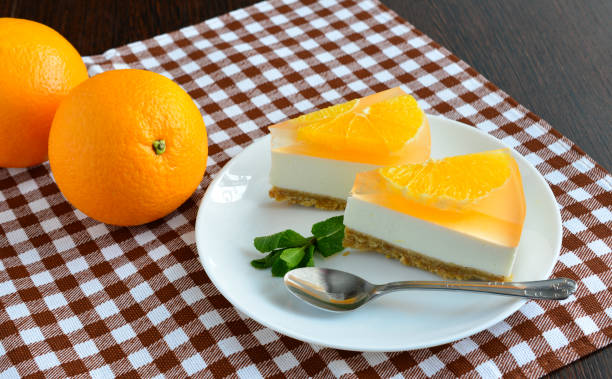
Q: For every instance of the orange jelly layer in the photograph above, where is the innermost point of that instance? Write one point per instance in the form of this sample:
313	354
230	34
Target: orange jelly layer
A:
497	218
416	150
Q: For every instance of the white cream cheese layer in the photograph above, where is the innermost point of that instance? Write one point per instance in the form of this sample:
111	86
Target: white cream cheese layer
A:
321	176
427	238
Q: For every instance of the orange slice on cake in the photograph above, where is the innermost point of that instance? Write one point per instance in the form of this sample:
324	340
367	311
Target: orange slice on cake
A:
383	127
454	181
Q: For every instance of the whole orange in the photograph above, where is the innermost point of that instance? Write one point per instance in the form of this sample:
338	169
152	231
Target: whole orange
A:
127	147
38	67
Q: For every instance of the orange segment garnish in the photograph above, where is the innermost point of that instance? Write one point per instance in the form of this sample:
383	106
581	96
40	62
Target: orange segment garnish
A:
384	126
328	131
454	181
327	114
397	120
357	132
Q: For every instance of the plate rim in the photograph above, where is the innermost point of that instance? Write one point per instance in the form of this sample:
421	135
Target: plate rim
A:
518	303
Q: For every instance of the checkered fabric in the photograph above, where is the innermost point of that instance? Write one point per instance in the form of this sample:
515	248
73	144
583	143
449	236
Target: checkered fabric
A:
78	296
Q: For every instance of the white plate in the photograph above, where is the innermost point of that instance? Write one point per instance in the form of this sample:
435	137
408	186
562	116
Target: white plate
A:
236	208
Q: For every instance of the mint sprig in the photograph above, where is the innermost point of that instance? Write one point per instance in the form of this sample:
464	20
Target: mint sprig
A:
288	249
288	238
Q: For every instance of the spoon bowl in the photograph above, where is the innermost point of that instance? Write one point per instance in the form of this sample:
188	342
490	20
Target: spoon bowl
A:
333	290
340	291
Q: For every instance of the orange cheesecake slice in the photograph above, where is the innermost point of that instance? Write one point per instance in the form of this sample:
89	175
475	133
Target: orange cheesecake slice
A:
315	157
459	217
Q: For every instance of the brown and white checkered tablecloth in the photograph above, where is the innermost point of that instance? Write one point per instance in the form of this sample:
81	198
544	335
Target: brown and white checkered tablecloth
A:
79	297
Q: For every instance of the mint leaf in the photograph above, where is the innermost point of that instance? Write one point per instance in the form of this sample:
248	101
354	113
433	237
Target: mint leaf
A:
330	226
288	260
308	260
267	261
293	256
279	268
287	238
329	235
259	264
331	244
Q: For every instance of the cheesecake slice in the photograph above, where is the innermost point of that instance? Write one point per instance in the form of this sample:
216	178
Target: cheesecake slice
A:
315	157
459	217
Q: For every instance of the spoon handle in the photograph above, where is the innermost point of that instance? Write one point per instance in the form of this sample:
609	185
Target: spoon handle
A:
551	289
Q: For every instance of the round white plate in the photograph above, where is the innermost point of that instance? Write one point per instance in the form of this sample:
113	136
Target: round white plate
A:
236	208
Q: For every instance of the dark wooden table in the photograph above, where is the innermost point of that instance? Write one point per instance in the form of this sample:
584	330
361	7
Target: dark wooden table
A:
554	57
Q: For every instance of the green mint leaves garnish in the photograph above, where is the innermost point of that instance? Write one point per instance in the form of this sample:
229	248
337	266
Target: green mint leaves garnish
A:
288	249
279	240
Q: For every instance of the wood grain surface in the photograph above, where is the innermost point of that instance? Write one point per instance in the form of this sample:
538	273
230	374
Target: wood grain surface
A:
554	57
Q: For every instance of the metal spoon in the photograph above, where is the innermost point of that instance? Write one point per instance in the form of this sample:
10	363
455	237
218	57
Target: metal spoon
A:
336	290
